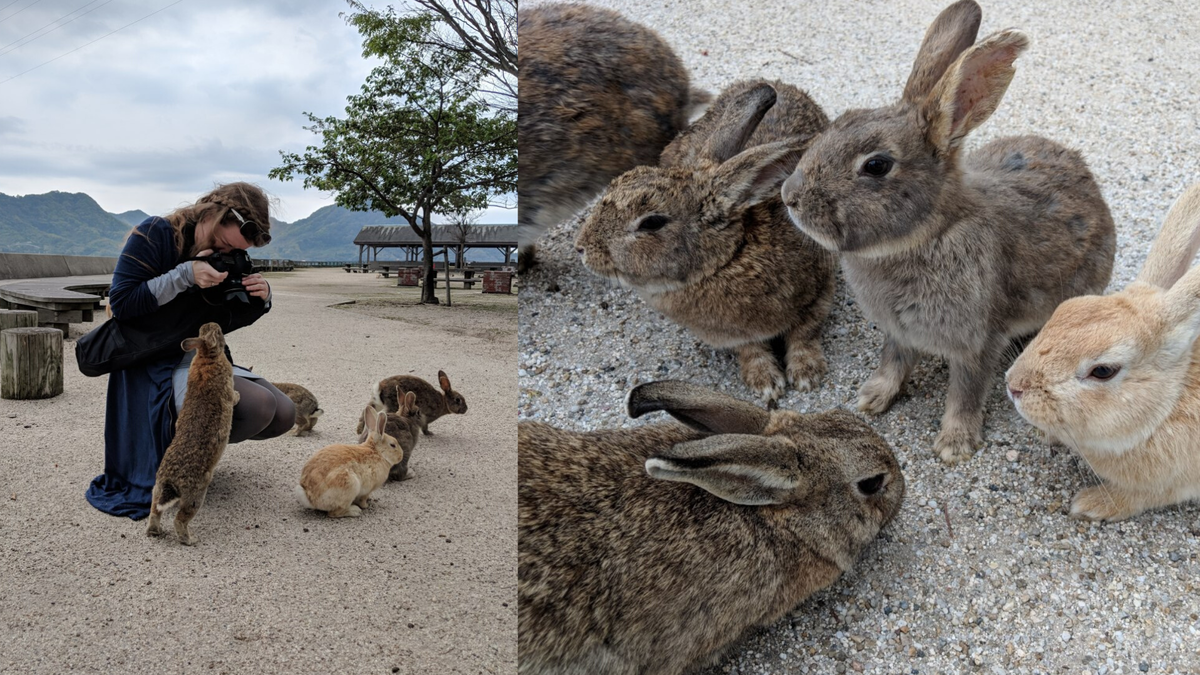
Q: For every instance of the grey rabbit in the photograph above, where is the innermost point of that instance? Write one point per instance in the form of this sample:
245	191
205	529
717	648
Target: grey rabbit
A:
952	256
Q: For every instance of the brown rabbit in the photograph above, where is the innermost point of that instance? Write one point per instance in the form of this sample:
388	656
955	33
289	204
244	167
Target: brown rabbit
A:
952	256
706	240
339	479
307	409
599	95
431	402
201	434
404	425
648	550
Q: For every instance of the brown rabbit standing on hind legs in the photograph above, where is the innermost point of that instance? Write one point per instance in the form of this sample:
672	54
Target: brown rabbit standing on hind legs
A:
949	256
646	551
201	434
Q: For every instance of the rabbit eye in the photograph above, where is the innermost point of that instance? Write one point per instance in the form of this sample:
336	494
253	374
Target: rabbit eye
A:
1103	373
652	223
877	166
872	485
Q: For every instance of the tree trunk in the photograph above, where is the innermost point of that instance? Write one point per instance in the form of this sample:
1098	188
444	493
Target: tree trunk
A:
427	290
446	257
18	318
31	363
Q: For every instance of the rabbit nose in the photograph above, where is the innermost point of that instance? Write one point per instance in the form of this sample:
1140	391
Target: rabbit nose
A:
1014	392
579	250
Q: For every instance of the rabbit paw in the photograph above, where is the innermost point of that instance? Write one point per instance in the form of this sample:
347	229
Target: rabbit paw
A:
877	394
956	445
804	370
1101	502
350	511
761	373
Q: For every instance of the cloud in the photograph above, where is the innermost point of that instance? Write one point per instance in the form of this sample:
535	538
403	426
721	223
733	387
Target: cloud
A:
198	93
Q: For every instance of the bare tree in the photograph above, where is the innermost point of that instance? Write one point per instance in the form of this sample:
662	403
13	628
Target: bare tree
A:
483	30
462	224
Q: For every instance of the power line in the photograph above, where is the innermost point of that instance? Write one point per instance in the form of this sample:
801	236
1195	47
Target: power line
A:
9	5
92	42
5	49
19	10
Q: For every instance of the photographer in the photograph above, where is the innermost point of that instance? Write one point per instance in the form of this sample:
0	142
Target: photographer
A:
165	278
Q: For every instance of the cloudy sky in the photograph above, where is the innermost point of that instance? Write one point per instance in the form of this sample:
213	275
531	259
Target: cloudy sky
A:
151	116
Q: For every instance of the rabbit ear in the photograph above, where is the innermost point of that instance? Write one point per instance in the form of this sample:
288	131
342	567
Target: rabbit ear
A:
1176	243
972	88
368	417
699	408
190	344
725	128
758	173
952	33
444	381
739	468
410	399
380	423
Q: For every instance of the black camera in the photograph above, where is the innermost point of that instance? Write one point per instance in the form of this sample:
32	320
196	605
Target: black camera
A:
238	264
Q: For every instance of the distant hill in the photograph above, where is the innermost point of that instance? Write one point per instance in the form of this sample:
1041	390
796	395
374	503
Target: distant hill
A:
59	222
74	224
327	234
132	218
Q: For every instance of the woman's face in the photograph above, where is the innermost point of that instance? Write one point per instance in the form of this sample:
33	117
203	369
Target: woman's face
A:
228	237
222	238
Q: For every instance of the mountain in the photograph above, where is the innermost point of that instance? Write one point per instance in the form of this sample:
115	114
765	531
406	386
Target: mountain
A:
327	234
59	222
74	224
132	218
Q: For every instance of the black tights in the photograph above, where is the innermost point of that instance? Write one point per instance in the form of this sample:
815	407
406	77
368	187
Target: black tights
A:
262	412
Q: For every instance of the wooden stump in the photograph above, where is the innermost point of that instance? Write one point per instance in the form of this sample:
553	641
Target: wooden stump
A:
18	318
31	363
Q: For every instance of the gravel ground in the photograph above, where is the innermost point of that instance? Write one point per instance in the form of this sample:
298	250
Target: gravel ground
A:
423	582
982	571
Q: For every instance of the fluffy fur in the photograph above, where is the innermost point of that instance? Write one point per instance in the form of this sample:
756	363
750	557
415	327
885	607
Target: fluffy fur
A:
431	403
1117	378
339	479
648	550
706	240
201	434
307	409
599	95
952	258
404	425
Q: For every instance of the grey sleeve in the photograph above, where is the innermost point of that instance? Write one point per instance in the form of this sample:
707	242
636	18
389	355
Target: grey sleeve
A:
165	287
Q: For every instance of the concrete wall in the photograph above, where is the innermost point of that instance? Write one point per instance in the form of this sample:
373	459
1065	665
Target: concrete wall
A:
34	265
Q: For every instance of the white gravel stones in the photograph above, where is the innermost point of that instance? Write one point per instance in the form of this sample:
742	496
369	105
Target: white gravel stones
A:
982	572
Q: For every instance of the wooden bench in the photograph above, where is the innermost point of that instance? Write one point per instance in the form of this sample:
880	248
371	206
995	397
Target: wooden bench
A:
59	301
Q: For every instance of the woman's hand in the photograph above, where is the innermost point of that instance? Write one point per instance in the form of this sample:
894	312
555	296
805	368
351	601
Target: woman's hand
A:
256	285
205	275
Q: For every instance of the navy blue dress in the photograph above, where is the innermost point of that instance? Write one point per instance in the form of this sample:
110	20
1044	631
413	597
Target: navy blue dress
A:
139	421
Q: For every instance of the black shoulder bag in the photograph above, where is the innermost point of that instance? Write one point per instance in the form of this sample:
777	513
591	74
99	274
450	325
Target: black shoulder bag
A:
118	344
